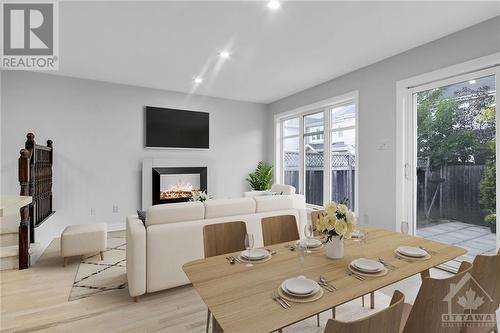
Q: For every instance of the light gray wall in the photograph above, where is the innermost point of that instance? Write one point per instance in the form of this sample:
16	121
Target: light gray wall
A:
377	108
98	130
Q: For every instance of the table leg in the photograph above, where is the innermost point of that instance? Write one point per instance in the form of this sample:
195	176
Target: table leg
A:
372	300
333	313
424	274
215	326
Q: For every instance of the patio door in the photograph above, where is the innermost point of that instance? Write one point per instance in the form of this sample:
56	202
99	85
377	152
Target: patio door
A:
451	162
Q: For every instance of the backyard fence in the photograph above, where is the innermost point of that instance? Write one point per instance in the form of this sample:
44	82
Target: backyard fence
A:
342	177
455	190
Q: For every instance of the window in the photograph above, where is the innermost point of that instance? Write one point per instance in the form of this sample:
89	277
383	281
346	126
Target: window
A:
317	151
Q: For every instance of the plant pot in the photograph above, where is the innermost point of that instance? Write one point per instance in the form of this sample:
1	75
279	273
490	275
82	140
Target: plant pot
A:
493	228
335	248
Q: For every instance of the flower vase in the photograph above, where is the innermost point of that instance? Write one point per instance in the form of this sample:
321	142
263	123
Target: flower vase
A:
335	248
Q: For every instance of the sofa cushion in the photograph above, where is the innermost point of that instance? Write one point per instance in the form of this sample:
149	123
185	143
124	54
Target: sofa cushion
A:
175	212
273	202
229	207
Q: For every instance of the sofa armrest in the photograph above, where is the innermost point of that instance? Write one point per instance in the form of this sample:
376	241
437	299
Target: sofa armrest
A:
136	256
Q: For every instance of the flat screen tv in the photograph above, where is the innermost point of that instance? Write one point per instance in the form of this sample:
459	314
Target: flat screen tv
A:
172	128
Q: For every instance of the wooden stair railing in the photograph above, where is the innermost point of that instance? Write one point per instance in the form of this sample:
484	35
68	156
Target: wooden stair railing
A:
35	179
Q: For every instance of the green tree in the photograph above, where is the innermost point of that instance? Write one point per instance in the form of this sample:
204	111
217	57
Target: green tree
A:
487	188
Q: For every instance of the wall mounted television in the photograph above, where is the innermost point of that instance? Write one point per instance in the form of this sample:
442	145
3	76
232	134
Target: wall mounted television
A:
173	128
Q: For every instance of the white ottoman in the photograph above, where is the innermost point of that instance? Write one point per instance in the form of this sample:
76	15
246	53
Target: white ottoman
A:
83	239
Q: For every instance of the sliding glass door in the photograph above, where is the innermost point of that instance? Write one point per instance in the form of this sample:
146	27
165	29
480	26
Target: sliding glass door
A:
454	163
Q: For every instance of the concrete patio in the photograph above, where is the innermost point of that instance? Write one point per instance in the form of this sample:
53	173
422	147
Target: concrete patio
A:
475	239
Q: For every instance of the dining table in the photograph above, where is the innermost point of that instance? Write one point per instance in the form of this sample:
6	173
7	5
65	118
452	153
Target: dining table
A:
239	296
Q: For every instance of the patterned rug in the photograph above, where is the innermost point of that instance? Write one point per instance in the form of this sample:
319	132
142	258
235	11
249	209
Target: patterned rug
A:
96	276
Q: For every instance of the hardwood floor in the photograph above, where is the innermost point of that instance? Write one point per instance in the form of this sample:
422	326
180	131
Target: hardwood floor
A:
36	300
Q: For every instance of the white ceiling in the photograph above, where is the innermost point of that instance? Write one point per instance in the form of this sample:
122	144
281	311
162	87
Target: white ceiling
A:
274	53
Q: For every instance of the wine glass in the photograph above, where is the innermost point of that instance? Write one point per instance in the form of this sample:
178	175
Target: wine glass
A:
301	250
309	233
249	241
405	228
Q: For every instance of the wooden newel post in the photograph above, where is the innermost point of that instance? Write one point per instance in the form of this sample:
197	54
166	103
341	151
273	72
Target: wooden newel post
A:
24	241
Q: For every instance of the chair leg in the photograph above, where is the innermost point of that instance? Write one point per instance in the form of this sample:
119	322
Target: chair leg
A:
333	313
208	320
372	300
363	301
102	255
136	299
317	319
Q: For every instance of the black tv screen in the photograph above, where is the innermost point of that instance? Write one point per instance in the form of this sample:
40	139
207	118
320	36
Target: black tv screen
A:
171	128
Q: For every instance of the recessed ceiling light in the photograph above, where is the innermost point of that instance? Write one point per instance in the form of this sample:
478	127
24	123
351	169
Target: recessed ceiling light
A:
198	80
224	54
472	81
273	4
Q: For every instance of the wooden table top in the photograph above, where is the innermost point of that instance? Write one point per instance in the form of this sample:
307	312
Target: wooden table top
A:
240	297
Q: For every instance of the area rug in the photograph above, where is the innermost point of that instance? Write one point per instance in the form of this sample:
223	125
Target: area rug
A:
96	276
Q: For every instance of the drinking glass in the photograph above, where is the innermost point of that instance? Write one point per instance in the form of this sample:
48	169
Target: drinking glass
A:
309	233
361	239
405	228
249	241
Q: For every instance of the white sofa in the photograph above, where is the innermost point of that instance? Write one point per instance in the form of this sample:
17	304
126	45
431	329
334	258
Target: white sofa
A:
173	235
275	189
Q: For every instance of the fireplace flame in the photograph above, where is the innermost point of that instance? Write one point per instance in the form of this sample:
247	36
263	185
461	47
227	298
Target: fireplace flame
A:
177	191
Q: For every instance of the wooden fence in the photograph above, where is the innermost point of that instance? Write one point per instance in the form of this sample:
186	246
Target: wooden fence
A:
456	192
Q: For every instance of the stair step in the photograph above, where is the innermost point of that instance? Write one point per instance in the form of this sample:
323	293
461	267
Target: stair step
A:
9	263
9	223
9	251
10	239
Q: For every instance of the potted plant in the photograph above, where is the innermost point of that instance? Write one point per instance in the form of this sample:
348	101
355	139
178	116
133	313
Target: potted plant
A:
491	219
261	179
336	223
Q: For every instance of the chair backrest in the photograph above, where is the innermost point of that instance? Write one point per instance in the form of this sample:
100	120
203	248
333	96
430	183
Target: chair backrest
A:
436	298
279	229
385	321
486	273
222	238
315	214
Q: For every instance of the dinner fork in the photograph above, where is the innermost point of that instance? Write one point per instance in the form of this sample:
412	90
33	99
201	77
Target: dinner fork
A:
237	259
282	299
386	264
231	260
359	277
325	281
404	259
278	300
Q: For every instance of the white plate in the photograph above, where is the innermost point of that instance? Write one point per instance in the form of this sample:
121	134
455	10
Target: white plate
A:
300	286
367	265
310	242
411	251
255	254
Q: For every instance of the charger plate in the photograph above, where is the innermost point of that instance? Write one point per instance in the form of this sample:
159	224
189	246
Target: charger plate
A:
427	257
310	299
246	261
383	272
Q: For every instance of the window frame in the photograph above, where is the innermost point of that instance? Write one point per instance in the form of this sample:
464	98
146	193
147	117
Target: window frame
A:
324	106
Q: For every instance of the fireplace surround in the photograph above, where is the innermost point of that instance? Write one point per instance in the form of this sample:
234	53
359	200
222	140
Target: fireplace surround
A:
174	184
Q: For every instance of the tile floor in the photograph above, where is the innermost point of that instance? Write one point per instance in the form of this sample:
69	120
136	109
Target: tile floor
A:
475	239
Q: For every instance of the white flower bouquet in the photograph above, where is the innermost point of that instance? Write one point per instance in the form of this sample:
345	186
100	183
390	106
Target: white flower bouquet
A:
199	196
336	220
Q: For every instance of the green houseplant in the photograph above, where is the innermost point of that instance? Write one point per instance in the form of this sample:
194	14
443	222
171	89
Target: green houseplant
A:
262	178
491	219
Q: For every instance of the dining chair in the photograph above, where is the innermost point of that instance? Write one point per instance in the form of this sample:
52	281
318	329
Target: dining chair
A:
222	238
384	321
430	304
279	229
486	272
